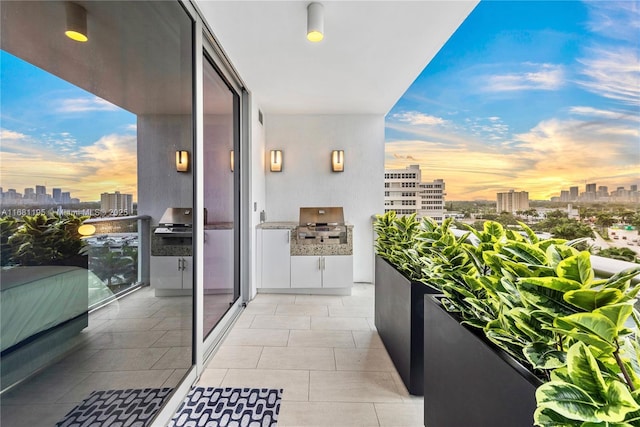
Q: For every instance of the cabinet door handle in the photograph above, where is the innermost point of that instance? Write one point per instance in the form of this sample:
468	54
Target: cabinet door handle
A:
323	263
179	265
184	264
319	263
289	237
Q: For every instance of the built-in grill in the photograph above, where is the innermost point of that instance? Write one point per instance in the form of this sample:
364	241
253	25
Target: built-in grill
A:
321	226
175	222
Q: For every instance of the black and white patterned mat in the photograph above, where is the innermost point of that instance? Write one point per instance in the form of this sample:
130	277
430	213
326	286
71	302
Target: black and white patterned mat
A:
132	407
227	407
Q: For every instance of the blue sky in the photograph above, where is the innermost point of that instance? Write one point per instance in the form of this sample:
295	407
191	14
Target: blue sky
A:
533	96
56	134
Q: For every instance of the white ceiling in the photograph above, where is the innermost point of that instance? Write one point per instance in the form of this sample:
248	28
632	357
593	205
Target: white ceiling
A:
371	53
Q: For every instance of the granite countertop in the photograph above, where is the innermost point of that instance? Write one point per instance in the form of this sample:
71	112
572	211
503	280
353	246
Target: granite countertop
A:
283	225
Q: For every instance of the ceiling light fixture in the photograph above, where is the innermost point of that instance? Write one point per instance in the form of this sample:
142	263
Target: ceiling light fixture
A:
76	22
315	22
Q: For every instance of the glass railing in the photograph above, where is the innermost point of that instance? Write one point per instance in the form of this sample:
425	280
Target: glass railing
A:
118	256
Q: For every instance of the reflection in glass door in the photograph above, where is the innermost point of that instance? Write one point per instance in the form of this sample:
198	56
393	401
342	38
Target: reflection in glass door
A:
221	197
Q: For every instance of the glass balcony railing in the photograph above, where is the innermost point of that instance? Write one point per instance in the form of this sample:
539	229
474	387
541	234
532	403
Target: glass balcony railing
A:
118	256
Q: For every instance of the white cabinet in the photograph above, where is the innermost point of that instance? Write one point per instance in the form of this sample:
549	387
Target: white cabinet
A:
275	262
171	272
334	271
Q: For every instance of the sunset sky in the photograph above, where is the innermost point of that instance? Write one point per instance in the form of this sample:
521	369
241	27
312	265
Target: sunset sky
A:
56	134
532	96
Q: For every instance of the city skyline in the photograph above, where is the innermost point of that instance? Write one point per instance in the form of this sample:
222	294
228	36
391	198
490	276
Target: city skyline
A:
537	96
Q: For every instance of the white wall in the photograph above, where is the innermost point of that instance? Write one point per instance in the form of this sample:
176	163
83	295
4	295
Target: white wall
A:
307	179
258	196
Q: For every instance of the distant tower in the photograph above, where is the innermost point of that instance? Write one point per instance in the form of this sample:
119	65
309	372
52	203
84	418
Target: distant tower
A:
512	201
573	193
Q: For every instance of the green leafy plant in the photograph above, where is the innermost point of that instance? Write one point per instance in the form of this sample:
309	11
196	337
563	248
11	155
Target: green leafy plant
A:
47	240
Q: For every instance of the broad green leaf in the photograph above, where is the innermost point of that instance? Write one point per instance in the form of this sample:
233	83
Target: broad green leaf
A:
621	280
577	268
525	252
607	424
617	313
619	403
530	234
592	323
545	417
567	400
590	299
556	251
493	229
585	372
543	356
561	284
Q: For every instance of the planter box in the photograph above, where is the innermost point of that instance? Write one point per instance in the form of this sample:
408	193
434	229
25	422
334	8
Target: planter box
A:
399	318
468	380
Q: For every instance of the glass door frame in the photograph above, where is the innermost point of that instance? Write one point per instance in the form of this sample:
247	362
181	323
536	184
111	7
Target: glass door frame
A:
202	350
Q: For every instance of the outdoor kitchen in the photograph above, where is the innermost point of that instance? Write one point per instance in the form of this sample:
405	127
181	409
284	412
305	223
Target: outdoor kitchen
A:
313	255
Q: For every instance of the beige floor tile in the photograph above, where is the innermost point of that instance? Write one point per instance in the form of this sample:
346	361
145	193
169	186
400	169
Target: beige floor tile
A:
347	386
400	414
229	356
294	383
281	322
274	299
176	338
34	414
116	380
124	325
302	310
175	378
372	323
310	358
258	337
340	324
402	389
367	339
259	308
329	300
342	339
363	359
175	358
135	339
44	388
327	414
212	377
174	323
351	311
129	359
356	301
244	321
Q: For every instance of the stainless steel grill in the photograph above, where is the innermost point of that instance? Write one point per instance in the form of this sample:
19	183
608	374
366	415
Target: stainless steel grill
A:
321	225
176	222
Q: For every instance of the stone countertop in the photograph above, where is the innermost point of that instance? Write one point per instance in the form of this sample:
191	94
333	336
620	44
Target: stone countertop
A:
282	225
321	249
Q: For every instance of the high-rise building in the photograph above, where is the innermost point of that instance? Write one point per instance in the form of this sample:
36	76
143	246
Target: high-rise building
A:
29	193
590	188
405	193
512	201
65	197
41	189
57	195
634	187
116	203
564	196
573	194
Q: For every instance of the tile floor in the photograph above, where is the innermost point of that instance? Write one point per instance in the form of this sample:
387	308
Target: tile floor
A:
325	353
139	341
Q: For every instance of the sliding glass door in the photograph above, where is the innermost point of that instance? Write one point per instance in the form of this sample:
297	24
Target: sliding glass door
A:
221	196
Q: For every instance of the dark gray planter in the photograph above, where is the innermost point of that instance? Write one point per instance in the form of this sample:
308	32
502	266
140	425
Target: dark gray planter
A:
399	318
468	380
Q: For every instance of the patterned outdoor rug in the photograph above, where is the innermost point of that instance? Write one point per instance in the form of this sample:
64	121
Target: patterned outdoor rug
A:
222	407
132	407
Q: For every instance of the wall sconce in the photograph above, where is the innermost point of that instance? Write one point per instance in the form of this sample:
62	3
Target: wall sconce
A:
182	161
76	22
337	160
232	159
276	161
315	22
